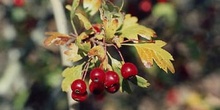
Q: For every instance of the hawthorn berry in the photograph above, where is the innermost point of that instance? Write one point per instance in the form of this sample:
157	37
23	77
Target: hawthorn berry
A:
128	70
111	81
114	88
96	88
97	75
96	28
78	86
79	97
19	3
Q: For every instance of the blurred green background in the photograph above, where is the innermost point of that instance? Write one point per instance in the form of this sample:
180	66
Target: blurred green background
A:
30	74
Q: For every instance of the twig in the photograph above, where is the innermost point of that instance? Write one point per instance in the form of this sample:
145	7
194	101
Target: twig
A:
119	52
85	69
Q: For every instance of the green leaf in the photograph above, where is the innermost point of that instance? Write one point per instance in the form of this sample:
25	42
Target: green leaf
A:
106	5
71	74
140	81
85	46
85	21
75	4
131	29
125	87
116	66
132	32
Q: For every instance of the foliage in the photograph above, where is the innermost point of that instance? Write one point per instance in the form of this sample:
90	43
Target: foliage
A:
116	29
150	52
71	74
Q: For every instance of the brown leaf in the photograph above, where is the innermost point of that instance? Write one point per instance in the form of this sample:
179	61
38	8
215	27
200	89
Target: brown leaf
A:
56	38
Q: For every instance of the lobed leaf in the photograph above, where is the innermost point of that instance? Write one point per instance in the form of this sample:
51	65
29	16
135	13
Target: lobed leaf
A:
112	21
131	29
110	27
70	74
150	52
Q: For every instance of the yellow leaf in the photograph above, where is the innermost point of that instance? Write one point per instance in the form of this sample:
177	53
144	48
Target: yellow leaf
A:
131	29
92	5
84	20
110	27
68	7
150	52
98	51
56	38
129	20
196	101
112	21
104	64
72	53
71	74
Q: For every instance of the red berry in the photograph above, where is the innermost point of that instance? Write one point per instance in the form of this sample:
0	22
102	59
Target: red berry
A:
19	3
145	5
79	97
97	28
78	86
97	75
162	1
96	88
128	70
111	81
114	88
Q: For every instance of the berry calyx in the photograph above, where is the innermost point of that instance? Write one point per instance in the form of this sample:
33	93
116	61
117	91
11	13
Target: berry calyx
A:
79	97
128	70
111	81
97	75
96	88
78	86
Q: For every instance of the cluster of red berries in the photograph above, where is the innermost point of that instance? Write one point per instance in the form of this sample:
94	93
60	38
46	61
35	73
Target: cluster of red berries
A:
101	81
